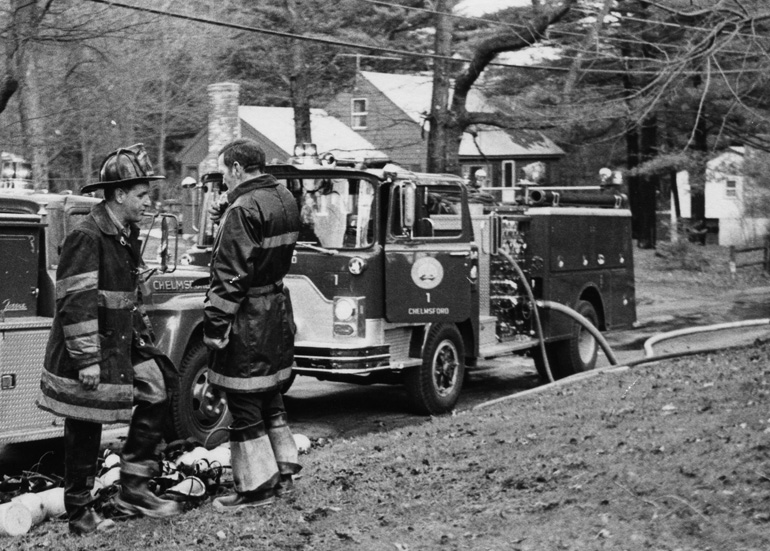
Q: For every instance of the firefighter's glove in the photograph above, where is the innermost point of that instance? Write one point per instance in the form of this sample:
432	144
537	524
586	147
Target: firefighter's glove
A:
89	377
215	344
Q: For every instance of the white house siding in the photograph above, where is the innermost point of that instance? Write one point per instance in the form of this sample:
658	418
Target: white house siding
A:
735	228
685	197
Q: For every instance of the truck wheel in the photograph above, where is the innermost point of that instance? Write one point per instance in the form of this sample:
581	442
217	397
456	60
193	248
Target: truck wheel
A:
434	387
199	410
579	352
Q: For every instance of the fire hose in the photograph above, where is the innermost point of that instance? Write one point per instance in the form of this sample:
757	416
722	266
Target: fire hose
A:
558	308
648	345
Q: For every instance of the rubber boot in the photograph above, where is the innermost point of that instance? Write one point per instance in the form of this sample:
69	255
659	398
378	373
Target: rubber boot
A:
140	463
81	452
255	471
136	498
285	451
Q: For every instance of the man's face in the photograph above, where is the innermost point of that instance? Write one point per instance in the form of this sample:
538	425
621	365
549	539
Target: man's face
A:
136	201
230	178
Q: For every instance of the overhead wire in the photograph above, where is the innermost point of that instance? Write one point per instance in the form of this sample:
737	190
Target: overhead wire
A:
309	38
394	51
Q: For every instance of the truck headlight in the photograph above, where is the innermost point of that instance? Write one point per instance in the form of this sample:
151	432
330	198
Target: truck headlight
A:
344	309
349	318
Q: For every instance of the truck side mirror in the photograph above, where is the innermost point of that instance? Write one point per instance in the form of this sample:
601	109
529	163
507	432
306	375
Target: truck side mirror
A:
163	250
191	184
495	234
164	244
408	203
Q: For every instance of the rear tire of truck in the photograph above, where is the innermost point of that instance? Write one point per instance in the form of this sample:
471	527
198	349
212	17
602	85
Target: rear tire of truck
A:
578	353
199	410
434	387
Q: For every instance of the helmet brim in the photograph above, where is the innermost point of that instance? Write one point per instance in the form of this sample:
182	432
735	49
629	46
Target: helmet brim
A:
88	188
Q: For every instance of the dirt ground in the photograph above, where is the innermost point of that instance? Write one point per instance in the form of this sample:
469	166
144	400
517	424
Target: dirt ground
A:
693	285
670	456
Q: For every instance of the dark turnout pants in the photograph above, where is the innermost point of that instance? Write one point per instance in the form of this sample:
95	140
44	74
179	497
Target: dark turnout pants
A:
82	440
261	444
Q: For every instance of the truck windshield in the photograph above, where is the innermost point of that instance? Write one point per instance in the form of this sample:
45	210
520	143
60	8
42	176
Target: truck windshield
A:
335	213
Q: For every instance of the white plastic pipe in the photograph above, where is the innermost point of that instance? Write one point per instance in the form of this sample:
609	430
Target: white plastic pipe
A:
655	339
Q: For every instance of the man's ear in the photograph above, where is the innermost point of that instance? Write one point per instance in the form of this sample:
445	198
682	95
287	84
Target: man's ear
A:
120	195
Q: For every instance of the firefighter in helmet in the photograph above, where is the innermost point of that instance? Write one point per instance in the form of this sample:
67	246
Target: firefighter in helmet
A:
101	365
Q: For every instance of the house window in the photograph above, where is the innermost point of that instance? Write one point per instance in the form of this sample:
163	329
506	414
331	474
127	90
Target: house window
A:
358	112
509	173
731	189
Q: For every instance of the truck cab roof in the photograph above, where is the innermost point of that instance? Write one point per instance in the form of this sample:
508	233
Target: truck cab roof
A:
36	203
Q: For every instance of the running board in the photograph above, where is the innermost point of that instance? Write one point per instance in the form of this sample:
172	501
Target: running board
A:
503	348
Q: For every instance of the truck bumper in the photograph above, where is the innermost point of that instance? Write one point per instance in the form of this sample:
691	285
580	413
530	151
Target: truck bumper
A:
313	360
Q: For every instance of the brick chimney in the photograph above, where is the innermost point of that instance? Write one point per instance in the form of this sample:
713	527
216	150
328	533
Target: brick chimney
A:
224	124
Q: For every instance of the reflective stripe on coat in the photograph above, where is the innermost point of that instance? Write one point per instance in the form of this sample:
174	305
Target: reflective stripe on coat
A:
99	319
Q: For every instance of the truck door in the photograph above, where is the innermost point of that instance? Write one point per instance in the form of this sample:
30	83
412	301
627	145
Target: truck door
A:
428	256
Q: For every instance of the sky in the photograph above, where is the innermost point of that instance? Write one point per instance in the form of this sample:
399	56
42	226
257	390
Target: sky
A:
527	56
477	8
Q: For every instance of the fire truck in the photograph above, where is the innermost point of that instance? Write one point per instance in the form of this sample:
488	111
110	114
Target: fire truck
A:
397	278
32	229
15	173
412	279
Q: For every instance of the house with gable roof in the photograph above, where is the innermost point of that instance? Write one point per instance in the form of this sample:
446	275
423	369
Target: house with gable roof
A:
389	110
273	129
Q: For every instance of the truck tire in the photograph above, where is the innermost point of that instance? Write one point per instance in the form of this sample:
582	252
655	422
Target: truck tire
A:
579	352
434	387
199	410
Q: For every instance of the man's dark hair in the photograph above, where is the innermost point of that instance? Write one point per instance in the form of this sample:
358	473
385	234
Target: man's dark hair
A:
247	152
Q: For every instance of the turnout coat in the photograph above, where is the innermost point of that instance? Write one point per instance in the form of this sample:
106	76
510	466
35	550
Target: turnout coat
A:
99	320
246	300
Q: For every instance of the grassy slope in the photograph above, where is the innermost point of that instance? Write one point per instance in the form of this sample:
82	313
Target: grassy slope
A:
667	456
671	456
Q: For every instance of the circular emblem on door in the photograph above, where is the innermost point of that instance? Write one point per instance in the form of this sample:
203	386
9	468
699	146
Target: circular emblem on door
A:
427	272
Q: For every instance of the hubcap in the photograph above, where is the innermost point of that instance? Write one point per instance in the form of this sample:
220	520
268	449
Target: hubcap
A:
586	345
445	367
208	403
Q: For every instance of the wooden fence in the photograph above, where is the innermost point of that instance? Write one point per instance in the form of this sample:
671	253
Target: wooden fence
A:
765	262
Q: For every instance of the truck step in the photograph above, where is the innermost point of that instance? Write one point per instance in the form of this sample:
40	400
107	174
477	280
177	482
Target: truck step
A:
503	348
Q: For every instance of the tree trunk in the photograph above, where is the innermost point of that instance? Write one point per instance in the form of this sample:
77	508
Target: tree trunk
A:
298	83
30	109
697	185
648	149
439	134
164	105
676	208
632	161
300	100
